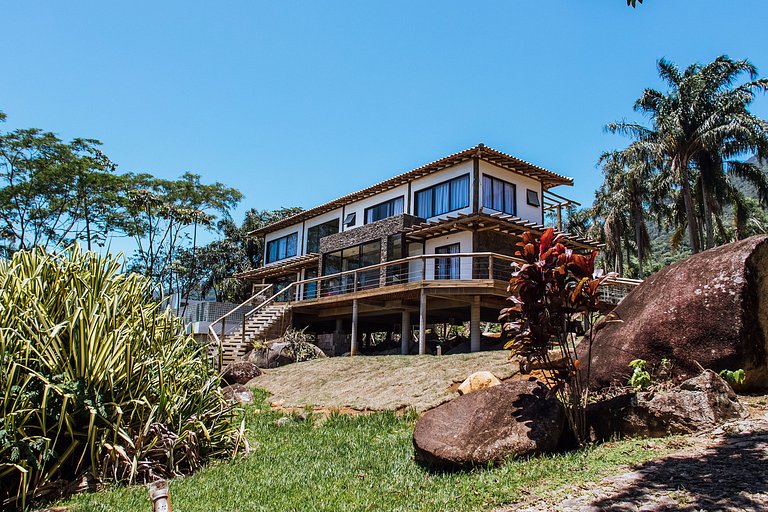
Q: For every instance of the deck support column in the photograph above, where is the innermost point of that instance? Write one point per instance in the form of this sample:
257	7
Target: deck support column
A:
405	333
474	325
355	342
423	322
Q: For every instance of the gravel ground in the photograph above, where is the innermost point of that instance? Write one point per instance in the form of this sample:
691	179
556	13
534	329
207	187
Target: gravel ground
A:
377	383
723	469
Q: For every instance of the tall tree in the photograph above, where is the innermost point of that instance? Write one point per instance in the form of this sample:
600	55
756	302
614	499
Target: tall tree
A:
167	216
215	263
53	192
703	111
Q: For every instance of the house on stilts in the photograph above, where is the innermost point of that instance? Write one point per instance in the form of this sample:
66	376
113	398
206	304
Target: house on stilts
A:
432	245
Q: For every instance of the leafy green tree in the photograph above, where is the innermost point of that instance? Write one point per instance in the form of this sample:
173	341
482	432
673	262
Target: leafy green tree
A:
210	270
53	192
167	215
700	122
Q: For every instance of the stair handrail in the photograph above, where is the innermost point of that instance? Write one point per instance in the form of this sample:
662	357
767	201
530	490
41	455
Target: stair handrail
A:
223	319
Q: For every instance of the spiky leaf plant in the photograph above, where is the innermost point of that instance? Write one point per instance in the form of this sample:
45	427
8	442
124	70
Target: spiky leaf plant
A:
97	380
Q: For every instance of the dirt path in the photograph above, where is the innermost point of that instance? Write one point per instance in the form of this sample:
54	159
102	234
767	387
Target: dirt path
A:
376	383
725	469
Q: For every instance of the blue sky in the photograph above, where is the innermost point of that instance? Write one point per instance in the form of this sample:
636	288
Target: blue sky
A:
296	103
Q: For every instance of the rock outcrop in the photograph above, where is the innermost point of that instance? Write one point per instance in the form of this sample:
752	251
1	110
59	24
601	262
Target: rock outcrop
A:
489	425
710	309
701	402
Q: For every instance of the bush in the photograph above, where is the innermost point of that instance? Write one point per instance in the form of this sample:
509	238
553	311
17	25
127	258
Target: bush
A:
97	380
553	291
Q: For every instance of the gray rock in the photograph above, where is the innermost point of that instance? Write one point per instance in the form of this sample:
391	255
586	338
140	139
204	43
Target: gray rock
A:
238	393
489	425
240	372
700	403
280	353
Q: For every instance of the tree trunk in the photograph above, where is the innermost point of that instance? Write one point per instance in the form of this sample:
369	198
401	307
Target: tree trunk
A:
690	213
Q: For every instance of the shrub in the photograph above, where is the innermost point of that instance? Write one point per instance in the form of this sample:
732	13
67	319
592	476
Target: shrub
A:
97	380
553	291
300	346
734	377
641	377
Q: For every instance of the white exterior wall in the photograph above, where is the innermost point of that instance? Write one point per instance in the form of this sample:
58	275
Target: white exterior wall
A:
359	207
439	177
522	183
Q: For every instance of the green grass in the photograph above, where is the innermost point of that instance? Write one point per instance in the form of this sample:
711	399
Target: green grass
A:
358	463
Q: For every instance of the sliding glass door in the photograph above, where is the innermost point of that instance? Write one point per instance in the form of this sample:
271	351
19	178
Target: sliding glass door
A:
448	268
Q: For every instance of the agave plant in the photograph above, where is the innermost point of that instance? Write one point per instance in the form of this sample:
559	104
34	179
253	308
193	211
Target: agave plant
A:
553	290
98	380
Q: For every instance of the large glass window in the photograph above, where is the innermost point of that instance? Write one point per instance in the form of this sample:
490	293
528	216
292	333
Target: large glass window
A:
352	258
282	248
315	233
499	195
443	198
383	210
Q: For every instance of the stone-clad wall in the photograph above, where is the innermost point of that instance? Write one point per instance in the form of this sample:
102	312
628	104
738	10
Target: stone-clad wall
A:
379	230
493	241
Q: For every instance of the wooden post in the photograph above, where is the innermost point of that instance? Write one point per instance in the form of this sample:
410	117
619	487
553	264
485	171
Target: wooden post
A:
474	325
423	322
490	267
354	343
423	268
559	217
354	285
405	333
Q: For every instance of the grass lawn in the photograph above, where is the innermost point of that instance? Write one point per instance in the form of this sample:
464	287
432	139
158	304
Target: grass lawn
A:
357	463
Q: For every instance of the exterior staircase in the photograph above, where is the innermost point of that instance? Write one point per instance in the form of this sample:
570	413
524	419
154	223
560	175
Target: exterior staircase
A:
268	322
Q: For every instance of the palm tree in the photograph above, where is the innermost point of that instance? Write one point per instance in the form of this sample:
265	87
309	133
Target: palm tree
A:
701	121
626	190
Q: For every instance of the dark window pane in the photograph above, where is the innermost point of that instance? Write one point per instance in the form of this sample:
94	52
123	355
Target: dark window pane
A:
424	203
533	197
487	191
459	193
441	198
509	198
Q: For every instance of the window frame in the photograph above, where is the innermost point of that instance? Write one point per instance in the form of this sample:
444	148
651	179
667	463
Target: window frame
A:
277	241
390	203
350	220
503	183
431	189
319	228
528	192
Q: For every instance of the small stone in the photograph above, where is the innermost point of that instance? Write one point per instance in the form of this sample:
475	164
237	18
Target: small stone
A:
281	422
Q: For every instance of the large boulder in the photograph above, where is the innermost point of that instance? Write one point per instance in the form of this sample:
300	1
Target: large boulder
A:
710	309
280	353
696	404
240	372
489	425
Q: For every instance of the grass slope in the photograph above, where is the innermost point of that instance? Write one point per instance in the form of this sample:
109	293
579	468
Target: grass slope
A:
358	463
378	383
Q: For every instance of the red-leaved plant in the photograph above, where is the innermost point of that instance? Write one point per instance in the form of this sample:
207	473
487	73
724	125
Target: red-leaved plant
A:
554	291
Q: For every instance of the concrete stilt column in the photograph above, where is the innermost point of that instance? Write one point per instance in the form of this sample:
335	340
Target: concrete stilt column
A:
355	342
474	325
423	322
405	333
